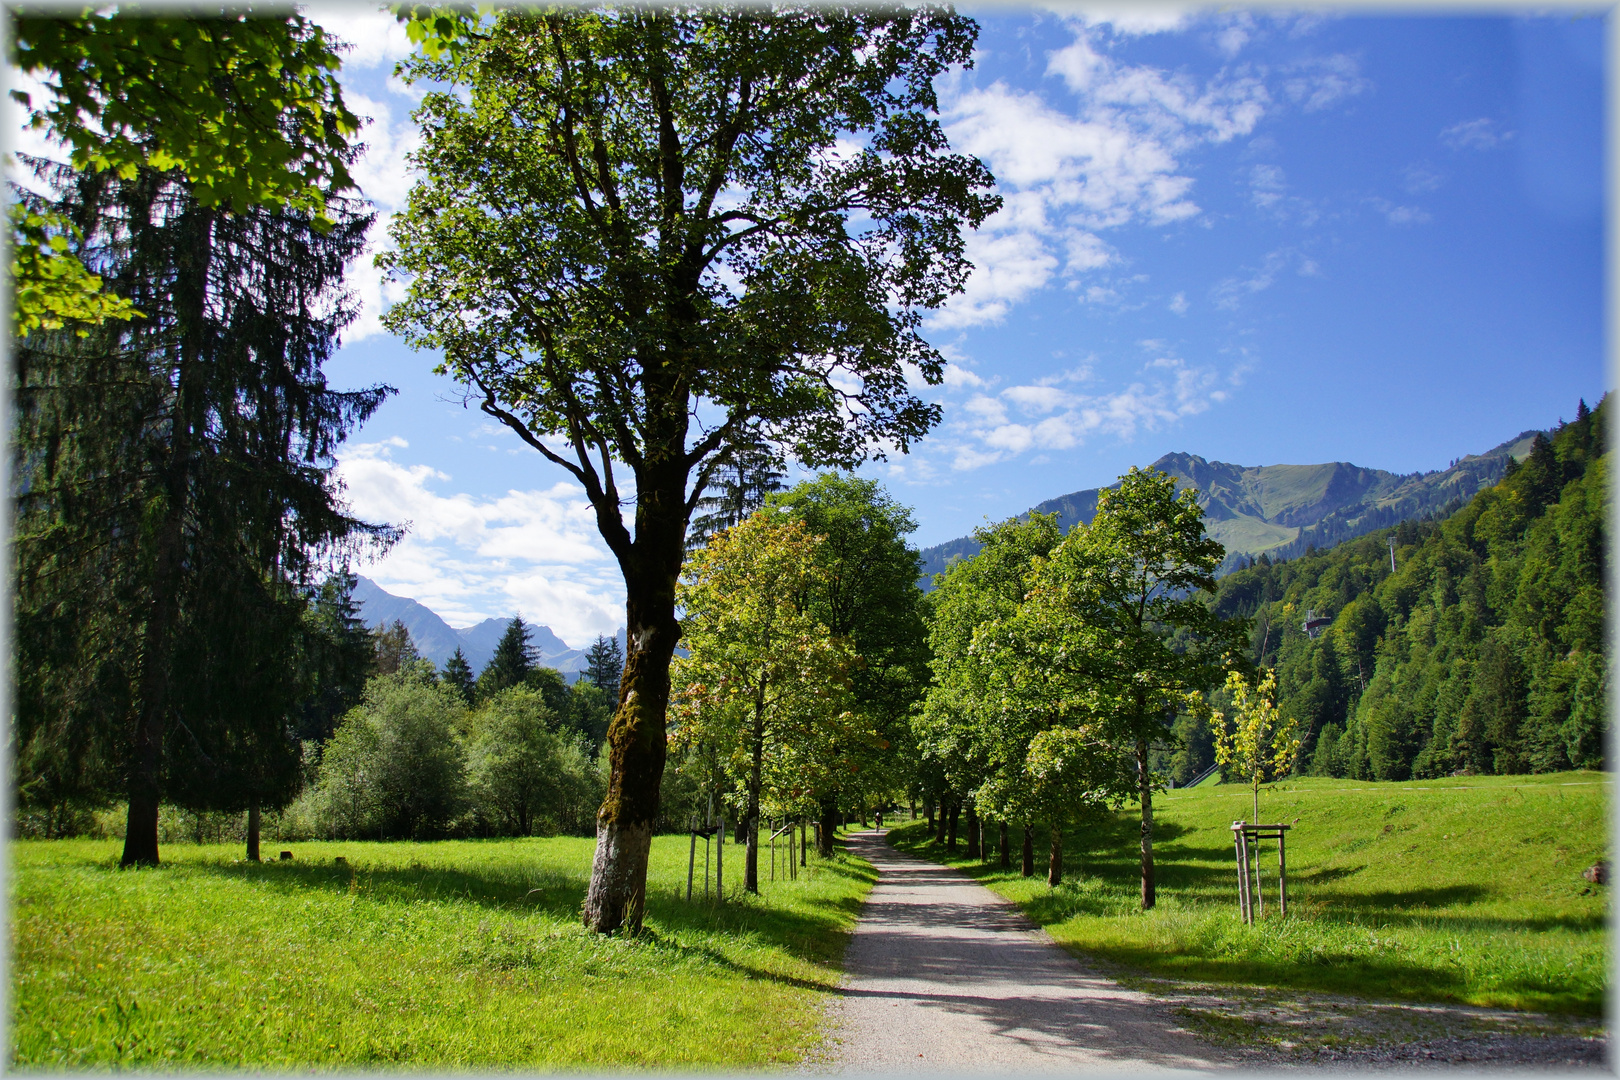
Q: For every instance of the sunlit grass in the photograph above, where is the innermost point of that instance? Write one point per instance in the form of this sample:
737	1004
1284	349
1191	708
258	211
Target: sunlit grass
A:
1465	890
461	954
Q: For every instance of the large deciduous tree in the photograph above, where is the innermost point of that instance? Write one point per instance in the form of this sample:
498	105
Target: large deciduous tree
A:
646	236
865	590
1119	629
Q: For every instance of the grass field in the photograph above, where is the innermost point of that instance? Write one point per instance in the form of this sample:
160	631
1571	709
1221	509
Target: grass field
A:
1466	890
452	954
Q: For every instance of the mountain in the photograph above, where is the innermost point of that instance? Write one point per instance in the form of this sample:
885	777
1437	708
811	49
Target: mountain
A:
436	639
1284	510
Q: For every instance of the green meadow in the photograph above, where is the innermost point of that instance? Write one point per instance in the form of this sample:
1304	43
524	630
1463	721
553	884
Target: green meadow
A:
1464	890
450	954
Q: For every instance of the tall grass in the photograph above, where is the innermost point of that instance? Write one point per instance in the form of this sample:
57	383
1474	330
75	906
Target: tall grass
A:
1467	890
453	954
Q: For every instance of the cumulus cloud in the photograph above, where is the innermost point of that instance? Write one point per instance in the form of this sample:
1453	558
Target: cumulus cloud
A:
470	558
1045	416
1116	154
1069	174
374	37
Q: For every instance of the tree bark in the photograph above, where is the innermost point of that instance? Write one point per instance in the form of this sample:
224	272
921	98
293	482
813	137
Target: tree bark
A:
1005	844
829	824
928	813
1054	862
955	817
1145	792
636	748
1027	868
972	830
940	820
253	832
756	774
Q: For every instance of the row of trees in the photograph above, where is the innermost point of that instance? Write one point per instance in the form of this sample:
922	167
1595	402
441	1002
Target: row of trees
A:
806	650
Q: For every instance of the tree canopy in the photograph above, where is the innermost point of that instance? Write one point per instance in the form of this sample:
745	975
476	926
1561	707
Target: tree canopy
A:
647	236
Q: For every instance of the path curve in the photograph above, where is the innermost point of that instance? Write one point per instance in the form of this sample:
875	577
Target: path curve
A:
943	975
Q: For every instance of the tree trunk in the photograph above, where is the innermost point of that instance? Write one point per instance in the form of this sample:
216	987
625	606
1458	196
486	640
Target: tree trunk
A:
829	823
253	832
973	830
1145	792
756	777
1054	862
863	814
1027	868
928	814
1004	843
940	820
955	817
151	707
637	743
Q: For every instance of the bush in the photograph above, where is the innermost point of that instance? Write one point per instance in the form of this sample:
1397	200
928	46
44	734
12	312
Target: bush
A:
527	774
395	767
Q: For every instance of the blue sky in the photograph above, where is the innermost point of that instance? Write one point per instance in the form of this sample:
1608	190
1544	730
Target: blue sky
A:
1257	237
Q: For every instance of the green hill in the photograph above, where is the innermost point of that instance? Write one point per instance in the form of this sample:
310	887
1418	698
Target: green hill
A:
1481	650
1284	510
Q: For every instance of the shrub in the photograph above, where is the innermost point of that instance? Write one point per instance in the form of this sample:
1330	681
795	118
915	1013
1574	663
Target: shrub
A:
395	767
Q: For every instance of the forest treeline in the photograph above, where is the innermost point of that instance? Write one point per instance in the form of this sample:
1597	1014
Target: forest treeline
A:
1482	650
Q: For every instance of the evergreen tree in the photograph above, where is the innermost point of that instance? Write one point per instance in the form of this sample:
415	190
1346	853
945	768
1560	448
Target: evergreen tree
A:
174	498
740	484
339	656
604	664
459	677
513	659
395	649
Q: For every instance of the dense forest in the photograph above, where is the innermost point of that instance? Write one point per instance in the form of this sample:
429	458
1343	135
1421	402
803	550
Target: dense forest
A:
1470	643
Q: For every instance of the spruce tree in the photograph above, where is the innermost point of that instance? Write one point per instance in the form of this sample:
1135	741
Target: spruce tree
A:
604	664
175	497
513	658
459	677
394	648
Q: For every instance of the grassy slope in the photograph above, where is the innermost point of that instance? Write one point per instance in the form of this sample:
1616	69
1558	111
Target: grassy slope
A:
446	954
1463	890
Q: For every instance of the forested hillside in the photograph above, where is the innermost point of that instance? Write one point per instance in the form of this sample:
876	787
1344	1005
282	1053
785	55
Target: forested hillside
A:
1284	510
1482	651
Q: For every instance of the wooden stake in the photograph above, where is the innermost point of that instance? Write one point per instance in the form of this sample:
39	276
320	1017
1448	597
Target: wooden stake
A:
691	864
1282	874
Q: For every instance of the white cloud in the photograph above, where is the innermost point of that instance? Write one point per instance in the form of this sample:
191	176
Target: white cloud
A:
1042	416
1178	303
1474	135
375	37
1137	19
1230	292
1068	174
471	558
1321	81
1400	215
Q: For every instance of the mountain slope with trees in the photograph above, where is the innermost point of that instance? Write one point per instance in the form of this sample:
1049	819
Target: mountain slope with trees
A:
1285	510
1482	651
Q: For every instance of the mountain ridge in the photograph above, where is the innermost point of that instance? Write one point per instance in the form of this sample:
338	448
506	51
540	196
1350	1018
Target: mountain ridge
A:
1283	510
437	640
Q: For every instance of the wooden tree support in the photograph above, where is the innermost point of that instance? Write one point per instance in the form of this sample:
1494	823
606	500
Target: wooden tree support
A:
1246	839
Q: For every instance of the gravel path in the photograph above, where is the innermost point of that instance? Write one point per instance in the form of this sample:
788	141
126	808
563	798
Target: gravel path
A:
944	976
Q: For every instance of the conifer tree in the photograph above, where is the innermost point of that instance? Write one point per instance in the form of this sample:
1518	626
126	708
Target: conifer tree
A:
604	664
513	658
175	497
459	677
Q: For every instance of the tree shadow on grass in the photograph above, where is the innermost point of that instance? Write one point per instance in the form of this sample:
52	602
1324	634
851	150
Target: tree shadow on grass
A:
814	935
